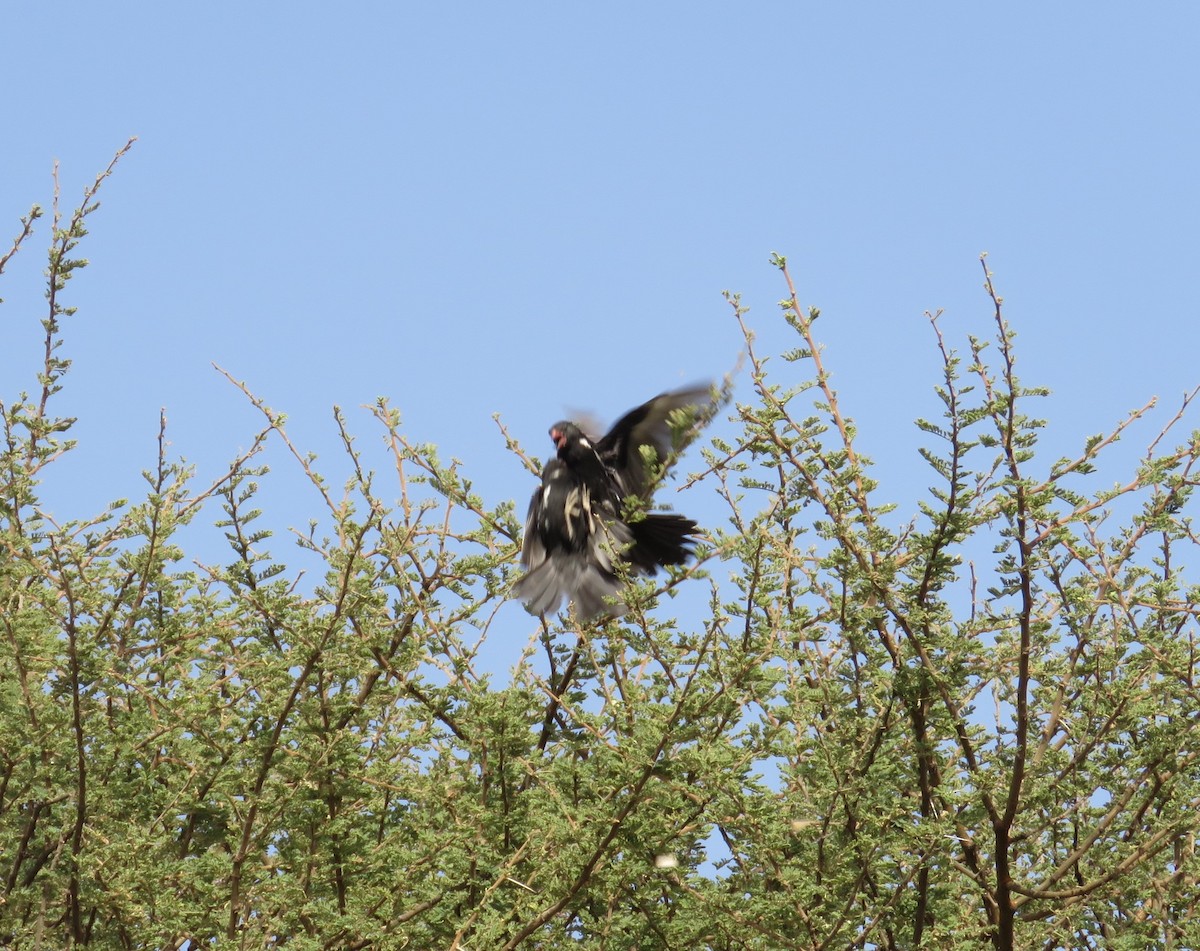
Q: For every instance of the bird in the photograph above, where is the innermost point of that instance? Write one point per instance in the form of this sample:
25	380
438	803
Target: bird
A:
586	529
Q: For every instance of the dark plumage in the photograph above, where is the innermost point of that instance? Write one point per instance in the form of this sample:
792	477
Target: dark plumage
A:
576	531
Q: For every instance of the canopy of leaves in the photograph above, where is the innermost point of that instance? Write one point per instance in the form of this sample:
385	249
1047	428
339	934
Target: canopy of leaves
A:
977	727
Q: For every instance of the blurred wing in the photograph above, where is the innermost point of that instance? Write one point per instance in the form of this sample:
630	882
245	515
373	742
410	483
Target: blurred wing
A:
588	422
533	551
666	424
543	585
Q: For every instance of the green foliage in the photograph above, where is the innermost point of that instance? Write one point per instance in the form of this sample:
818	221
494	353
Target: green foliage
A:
975	727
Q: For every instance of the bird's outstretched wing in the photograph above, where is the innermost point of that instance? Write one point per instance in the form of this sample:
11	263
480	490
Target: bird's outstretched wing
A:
666	424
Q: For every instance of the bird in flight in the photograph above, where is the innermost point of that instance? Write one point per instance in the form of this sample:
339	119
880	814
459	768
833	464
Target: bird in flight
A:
580	526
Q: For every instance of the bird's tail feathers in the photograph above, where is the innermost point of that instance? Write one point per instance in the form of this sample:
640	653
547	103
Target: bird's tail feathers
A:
568	574
661	539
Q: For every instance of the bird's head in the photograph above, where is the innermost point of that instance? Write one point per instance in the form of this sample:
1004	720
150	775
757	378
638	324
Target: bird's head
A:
566	436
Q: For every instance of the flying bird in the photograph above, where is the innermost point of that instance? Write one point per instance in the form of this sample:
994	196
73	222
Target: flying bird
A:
580	526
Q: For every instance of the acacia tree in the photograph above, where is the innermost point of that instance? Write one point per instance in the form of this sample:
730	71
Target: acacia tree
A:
974	726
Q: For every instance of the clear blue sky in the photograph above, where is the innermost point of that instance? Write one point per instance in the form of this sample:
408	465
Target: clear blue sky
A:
478	208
